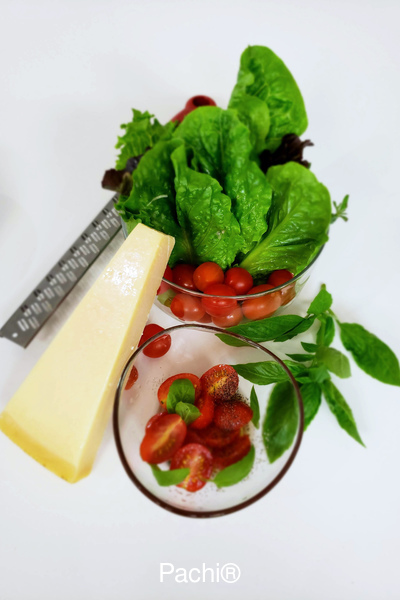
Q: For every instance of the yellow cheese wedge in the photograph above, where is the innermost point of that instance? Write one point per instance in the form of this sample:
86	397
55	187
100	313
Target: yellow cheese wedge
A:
59	413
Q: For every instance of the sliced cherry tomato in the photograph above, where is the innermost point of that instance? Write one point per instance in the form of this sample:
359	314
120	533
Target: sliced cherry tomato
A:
279	278
163	438
239	279
207	274
199	460
183	275
205	404
164	287
230	320
133	377
263	306
153	419
220	382
193	436
187	308
164	387
160	346
229	455
232	415
217	307
215	437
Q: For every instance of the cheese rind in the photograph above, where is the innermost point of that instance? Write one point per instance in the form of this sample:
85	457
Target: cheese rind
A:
59	413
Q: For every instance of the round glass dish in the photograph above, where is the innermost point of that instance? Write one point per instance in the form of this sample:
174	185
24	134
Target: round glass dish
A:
194	349
189	307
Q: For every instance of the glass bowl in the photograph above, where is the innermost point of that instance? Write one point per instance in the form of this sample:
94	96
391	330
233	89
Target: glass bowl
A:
262	305
194	349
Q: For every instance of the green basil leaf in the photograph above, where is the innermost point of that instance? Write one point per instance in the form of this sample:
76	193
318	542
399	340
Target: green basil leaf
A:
188	412
273	328
303	326
255	407
341	410
321	303
340	210
236	472
167	297
264	373
318	374
172	477
301	357
371	354
326	332
309	347
311	396
229	341
181	390
335	361
281	421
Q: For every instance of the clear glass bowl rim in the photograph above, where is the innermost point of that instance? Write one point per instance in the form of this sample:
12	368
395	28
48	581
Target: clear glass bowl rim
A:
245	503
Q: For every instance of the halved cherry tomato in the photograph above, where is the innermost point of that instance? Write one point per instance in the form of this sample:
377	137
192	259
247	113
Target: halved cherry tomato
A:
239	279
164	287
229	455
230	320
199	460
163	438
215	437
232	415
205	404
193	436
187	308
164	387
263	306
217	307
207	274
280	277
160	346
183	275
153	419
133	377
220	382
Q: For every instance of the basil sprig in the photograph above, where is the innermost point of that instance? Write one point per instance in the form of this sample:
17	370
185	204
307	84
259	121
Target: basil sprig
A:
180	400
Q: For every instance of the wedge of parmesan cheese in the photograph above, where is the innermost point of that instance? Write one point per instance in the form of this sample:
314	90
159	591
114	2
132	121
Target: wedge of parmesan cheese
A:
59	413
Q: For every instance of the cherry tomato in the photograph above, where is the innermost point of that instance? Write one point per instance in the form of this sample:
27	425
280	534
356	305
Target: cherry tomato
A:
232	415
193	436
183	275
230	320
199	460
187	308
229	455
207	274
218	307
153	419
214	437
164	287
280	277
164	387
239	279
163	438
264	306
160	346
133	377
206	319
220	382
205	404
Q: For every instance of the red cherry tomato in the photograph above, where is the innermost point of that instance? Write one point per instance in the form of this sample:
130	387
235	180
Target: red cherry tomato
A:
187	308
133	377
199	460
164	387
153	419
160	346
218	307
207	274
220	382
163	438
230	320
206	319
183	275
164	287
279	278
232	415
214	437
239	279
205	404
229	455
262	307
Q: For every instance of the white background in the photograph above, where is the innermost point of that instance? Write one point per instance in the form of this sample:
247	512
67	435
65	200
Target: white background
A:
70	73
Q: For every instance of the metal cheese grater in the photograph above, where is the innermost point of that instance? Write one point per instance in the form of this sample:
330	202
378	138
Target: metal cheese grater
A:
36	309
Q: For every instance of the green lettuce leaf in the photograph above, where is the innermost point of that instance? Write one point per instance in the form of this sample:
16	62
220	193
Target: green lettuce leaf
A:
263	75
204	214
298	221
